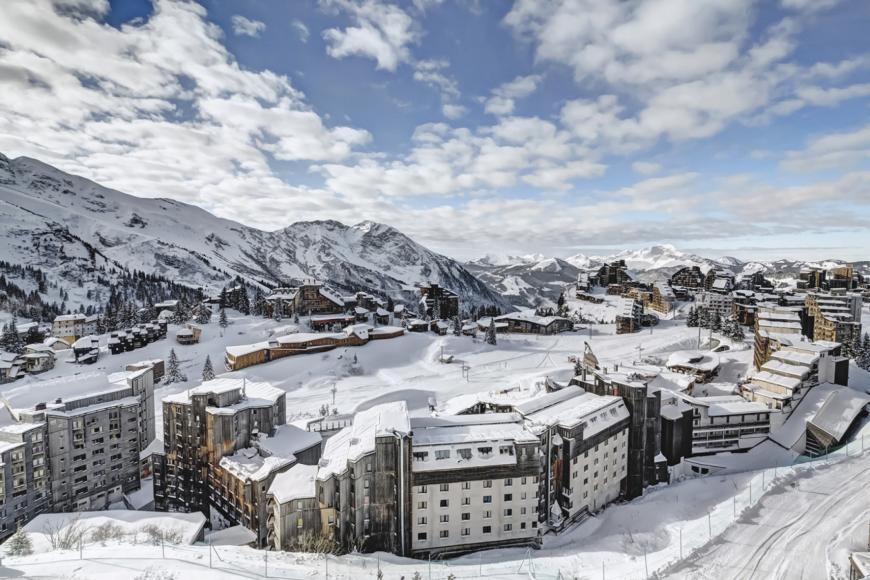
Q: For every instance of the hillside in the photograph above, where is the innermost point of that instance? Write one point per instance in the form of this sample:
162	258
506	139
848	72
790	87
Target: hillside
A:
78	231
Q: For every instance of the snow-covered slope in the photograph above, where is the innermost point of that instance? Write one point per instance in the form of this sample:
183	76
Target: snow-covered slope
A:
528	283
68	225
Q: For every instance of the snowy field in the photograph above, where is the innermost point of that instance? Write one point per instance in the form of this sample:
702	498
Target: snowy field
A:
744	522
784	523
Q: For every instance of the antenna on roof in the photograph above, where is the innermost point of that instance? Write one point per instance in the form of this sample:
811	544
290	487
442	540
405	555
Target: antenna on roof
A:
244	380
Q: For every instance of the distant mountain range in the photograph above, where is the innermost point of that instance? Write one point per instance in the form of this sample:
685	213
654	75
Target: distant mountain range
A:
536	279
79	231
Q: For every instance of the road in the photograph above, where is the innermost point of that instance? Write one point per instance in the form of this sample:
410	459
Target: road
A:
804	529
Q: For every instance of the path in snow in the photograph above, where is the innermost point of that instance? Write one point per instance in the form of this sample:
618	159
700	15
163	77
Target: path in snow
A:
804	529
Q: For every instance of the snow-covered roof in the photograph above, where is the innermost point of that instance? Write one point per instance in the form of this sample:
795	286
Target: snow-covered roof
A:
86	342
52	340
69	318
694	359
531	317
288	439
298	482
257	394
249	465
332	296
795	357
231	536
26	394
360	311
572	405
839	411
382	312
782	368
243	349
785	382
735	407
353	442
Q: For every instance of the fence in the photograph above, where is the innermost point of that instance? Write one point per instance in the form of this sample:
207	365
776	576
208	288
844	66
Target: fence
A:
641	564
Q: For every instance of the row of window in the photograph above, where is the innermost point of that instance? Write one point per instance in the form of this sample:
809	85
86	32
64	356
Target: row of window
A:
422	505
464	453
466	516
424	536
486	483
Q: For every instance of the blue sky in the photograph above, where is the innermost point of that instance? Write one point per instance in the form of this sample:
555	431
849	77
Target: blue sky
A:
555	126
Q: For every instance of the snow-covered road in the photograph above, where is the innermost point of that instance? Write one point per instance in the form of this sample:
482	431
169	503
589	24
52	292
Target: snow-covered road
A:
802	529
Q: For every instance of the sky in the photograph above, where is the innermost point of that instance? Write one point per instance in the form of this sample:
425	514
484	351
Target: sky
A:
559	127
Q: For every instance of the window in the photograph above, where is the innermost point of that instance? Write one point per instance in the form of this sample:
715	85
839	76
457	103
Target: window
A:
445	487
466	516
487	529
464	453
421	455
421	536
487	514
421	521
466	501
508	497
421	505
484	451
442	454
299	523
508	482
523	481
444	518
466	531
487	483
508	512
444	533
487	499
422	489
522	511
506	450
508	527
466	485
444	503
522	525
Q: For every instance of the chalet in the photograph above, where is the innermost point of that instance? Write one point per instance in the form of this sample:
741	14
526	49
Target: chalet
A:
417	325
361	314
439	327
382	317
385	332
500	326
531	323
628	317
330	321
56	344
690	278
11	366
38	362
86	350
188	335
438	302
701	365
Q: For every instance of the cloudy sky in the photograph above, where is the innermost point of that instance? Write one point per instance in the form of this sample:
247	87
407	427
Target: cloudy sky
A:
489	126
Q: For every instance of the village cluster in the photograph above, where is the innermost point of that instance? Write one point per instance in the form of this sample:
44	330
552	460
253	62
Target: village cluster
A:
480	470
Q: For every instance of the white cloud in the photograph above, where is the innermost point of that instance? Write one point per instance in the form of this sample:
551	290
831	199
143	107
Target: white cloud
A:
301	29
105	102
646	167
453	111
380	31
503	97
246	27
836	151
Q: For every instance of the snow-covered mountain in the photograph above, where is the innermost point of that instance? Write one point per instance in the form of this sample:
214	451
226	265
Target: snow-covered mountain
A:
78	231
527	283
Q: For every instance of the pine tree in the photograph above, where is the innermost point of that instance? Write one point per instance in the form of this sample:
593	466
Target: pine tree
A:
19	544
716	322
692	317
490	333
561	301
855	346
222	299
864	359
173	370
203	314
259	307
244	305
207	370
738	333
457	326
11	342
223	319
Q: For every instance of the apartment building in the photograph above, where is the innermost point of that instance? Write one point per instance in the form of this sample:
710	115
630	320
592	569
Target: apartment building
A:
362	481
201	426
726	423
24	478
71	327
715	302
474	484
774	326
833	317
585	441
